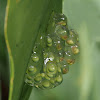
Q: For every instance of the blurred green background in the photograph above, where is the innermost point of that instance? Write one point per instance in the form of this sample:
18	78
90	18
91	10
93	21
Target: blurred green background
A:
82	81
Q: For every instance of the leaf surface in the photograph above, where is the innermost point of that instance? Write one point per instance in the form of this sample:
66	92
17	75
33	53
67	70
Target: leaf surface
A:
23	20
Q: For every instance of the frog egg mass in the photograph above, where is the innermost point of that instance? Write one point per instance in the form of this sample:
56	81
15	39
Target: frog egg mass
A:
53	54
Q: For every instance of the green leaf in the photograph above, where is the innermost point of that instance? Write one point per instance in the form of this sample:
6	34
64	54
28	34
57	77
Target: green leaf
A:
4	67
3	50
24	19
82	81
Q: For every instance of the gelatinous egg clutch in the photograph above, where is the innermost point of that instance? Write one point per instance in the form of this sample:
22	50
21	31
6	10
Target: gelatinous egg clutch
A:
52	54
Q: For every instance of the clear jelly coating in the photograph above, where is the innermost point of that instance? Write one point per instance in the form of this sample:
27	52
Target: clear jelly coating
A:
57	50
